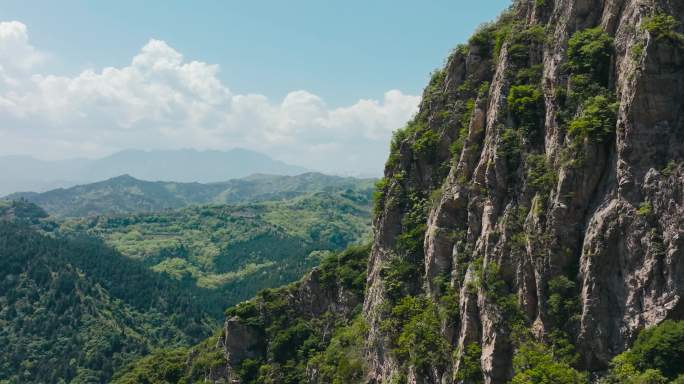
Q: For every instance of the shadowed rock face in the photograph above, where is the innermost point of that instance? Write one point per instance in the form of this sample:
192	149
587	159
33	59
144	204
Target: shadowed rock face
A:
608	215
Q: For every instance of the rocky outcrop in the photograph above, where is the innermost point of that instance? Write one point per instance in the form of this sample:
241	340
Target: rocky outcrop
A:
239	341
532	189
273	328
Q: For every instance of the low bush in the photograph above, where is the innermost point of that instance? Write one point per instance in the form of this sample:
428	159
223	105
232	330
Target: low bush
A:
379	195
535	363
526	105
470	369
662	26
645	209
589	52
415	323
540	176
426	144
397	274
596	121
342	361
563	302
655	357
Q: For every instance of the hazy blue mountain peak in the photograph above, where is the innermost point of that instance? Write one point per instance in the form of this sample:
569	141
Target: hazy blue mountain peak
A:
24	173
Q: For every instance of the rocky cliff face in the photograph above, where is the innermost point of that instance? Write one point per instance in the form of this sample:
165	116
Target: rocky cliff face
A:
540	184
535	201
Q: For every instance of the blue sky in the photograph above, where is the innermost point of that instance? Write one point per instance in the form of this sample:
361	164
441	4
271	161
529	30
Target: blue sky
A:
337	53
342	50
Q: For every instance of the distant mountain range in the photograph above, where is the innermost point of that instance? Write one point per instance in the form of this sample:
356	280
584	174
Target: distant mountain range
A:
126	194
25	173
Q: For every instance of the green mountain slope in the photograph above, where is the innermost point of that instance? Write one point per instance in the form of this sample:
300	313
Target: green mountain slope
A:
83	297
73	310
236	250
308	331
126	194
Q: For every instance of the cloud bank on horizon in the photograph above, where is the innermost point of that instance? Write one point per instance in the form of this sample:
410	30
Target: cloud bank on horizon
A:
163	101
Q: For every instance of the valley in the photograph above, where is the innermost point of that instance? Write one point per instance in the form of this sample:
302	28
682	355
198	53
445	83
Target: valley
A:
119	285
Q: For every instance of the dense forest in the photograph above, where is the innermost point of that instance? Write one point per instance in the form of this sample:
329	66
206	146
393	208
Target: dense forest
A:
74	310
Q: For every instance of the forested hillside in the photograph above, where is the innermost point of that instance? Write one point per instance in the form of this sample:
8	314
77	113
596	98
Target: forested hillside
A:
308	331
74	310
236	250
82	297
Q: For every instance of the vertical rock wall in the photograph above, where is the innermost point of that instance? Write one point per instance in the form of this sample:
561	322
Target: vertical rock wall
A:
535	200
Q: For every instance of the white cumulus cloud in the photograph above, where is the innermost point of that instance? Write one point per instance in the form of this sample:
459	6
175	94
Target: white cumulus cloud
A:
162	100
16	54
